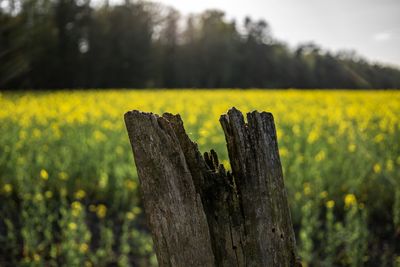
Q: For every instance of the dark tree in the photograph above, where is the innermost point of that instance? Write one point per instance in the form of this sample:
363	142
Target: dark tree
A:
135	44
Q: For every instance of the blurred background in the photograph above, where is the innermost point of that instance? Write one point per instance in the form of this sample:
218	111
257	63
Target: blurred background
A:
47	44
69	192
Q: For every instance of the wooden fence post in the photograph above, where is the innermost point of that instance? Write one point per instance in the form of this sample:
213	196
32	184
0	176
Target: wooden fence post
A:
198	213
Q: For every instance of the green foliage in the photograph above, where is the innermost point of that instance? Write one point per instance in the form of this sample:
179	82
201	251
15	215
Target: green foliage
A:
69	190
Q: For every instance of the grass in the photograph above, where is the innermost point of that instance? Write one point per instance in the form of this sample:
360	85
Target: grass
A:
69	190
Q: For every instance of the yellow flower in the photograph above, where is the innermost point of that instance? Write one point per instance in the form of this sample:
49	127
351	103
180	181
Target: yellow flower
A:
38	197
136	210
377	168
76	205
320	156
80	194
56	131
389	165
313	136
130	216
296	129
83	248
7	188
107	124
323	194
63	176
379	138
99	136
44	175
36	257
73	226
307	188
22	135
103	181
352	148
331	140
350	200
76	208
48	194
330	204
131	185
101	211
283	152
36	133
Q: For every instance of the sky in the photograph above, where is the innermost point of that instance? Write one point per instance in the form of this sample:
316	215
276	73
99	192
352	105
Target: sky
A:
370	27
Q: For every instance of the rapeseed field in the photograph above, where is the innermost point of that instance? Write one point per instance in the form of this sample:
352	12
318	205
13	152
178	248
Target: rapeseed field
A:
69	189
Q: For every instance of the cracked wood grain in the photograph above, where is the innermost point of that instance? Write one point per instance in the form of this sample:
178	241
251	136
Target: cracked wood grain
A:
200	214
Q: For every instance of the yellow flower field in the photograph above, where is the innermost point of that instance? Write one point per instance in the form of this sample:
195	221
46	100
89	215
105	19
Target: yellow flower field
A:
69	190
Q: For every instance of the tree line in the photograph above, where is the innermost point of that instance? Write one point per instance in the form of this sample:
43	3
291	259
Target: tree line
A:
49	44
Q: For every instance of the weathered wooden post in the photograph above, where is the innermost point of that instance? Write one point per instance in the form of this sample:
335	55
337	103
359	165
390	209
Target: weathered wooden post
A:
200	214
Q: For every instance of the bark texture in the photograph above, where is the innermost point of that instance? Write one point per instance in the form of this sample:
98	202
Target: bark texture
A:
199	213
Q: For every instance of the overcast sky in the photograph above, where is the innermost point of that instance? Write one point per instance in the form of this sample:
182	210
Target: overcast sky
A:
371	27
